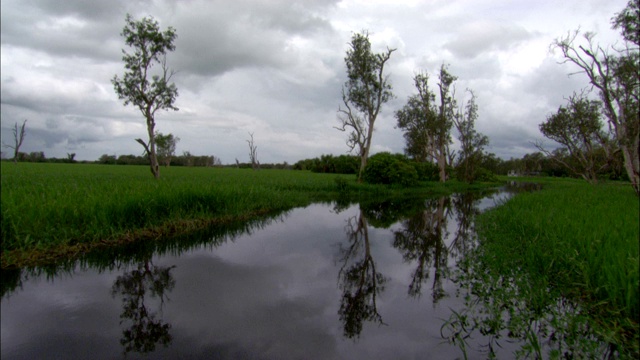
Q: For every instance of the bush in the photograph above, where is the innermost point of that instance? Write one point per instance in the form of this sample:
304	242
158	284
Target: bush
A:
387	168
427	171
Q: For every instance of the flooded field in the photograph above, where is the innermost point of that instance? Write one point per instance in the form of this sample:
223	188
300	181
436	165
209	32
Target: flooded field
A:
329	281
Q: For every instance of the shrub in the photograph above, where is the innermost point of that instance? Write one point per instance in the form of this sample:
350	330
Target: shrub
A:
387	168
427	171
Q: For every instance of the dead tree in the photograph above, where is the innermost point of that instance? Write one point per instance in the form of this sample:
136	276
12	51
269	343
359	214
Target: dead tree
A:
19	138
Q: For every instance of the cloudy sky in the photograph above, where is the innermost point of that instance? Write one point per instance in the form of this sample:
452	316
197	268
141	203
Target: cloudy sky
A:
275	68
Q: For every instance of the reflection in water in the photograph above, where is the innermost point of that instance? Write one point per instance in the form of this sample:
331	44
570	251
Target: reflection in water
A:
433	244
358	279
146	330
421	241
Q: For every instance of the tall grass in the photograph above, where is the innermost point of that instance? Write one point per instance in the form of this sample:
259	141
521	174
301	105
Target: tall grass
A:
579	240
53	204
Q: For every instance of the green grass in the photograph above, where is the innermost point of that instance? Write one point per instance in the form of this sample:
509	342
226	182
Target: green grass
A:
575	240
57	206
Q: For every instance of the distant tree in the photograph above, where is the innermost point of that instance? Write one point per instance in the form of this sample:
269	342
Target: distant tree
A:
472	143
614	75
366	89
37	156
149	92
107	159
166	147
253	153
18	137
71	157
426	124
578	128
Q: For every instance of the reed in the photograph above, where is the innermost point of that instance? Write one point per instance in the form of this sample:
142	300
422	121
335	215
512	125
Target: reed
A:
57	205
580	241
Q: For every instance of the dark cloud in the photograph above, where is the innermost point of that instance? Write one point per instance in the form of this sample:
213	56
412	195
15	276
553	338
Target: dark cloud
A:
275	68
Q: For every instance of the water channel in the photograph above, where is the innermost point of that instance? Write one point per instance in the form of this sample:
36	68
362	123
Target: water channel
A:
329	281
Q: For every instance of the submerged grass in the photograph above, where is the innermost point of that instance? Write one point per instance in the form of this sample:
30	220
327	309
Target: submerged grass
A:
581	242
52	208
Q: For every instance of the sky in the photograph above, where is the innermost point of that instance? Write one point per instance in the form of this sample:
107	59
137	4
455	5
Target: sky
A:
275	69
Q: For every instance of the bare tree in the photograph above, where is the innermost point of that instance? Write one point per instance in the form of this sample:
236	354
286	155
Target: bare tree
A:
253	154
149	92
18	139
363	94
614	74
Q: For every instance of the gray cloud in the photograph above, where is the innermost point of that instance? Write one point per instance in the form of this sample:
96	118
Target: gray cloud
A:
276	68
482	36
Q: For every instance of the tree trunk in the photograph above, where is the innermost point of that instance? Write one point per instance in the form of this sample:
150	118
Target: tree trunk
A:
632	165
442	164
153	158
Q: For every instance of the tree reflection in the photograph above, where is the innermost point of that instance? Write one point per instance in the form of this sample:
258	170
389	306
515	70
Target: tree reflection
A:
358	279
146	329
422	240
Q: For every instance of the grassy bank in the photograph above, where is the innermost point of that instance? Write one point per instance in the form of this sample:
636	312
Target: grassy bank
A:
577	241
57	209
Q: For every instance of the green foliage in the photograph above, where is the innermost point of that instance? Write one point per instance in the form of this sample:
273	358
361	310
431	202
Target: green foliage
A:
363	94
390	169
343	164
576	241
426	124
427	171
147	90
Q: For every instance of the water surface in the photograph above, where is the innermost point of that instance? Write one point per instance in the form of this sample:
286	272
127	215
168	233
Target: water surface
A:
329	281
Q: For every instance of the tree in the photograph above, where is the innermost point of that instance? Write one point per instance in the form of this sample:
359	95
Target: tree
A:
18	139
166	146
614	74
628	20
578	128
363	94
253	154
426	125
472	143
142	87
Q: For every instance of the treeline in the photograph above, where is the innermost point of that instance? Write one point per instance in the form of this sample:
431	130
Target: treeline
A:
40	157
539	164
186	159
342	164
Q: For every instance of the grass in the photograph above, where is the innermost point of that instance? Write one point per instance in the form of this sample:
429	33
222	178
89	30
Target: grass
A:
575	240
55	210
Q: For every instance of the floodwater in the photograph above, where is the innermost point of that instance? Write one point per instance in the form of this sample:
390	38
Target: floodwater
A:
329	281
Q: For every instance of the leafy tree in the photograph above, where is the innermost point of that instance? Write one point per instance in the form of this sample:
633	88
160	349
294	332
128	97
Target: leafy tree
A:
614	75
19	138
107	159
628	21
363	94
148	90
427	125
472	143
578	128
166	146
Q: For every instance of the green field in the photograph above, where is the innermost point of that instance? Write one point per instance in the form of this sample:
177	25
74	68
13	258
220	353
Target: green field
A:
51	210
575	241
